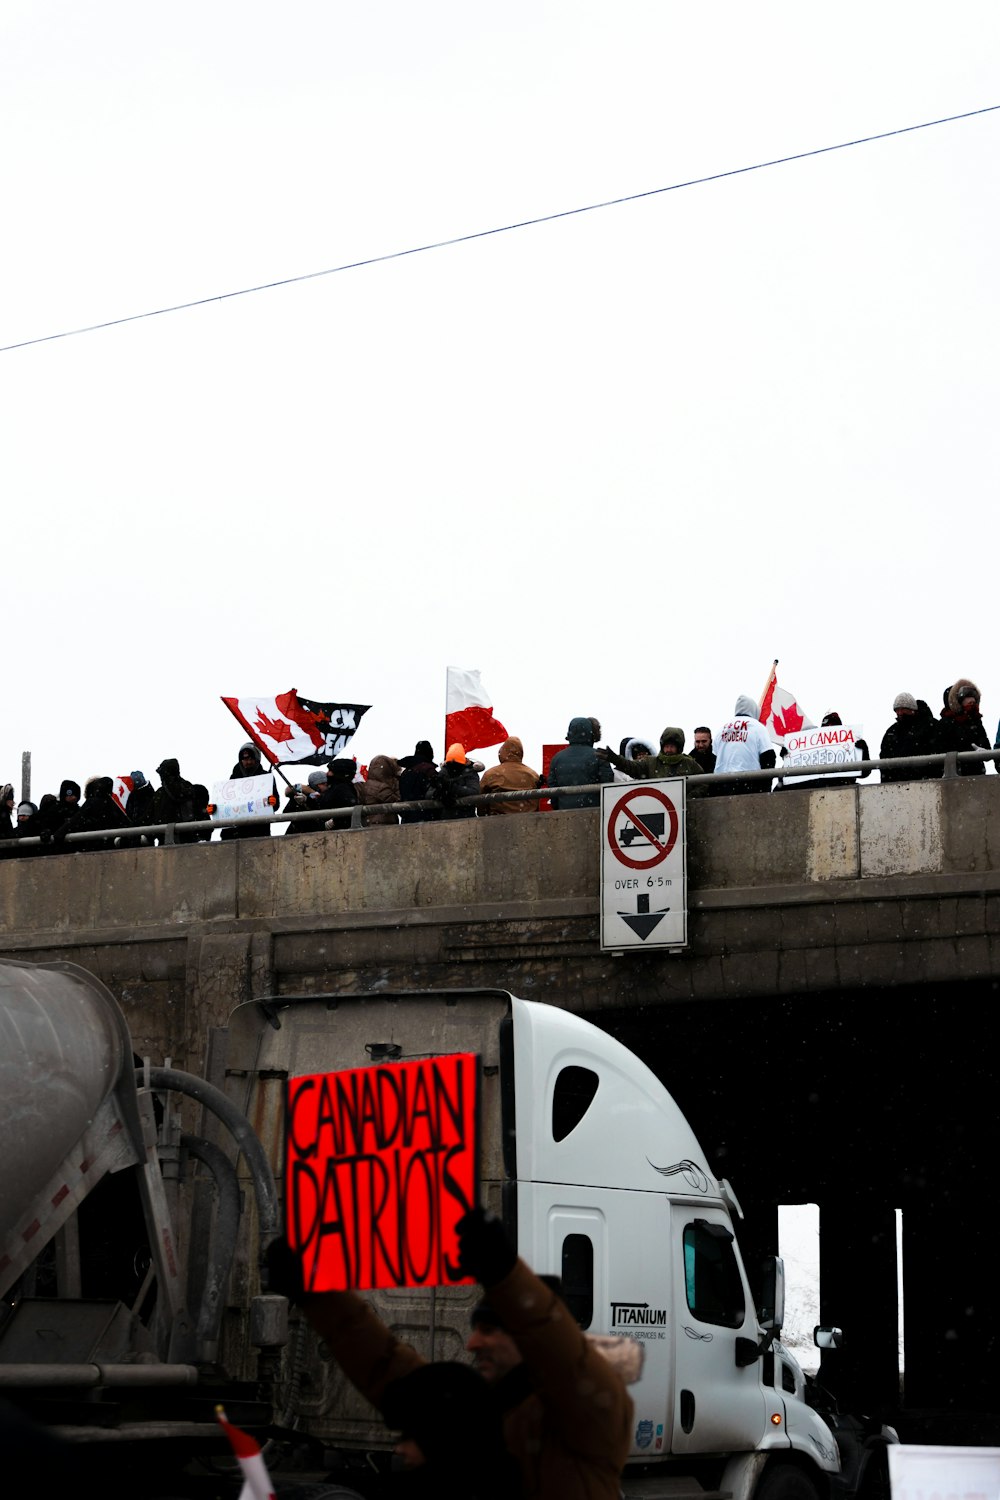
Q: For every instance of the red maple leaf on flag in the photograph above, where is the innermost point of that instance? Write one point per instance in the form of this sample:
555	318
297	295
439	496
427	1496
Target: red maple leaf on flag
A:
789	722
275	729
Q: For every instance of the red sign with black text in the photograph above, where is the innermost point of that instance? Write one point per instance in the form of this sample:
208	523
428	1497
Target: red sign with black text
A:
381	1163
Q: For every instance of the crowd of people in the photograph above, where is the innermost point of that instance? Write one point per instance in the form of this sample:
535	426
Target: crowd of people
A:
740	746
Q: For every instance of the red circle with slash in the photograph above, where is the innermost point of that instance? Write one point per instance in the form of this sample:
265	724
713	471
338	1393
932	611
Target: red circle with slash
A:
660	846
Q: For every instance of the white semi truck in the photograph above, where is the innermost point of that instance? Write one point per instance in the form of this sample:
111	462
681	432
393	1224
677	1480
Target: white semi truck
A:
598	1175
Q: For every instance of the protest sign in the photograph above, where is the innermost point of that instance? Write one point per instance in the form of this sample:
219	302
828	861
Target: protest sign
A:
828	745
924	1473
380	1164
243	797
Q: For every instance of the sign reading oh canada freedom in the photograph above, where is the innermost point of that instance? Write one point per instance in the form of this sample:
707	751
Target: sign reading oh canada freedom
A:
381	1163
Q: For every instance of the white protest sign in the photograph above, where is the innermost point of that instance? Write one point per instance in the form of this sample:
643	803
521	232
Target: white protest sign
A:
828	745
918	1473
243	797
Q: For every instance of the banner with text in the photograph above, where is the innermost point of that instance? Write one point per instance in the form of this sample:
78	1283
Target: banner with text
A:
243	797
831	745
381	1163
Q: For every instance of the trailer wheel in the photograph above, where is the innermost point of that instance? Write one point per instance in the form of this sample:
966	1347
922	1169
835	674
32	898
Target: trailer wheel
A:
786	1482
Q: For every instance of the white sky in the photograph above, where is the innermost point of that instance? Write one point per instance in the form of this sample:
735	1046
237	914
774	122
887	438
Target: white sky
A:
618	462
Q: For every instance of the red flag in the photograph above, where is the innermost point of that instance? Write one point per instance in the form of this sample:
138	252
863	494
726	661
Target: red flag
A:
469	717
779	709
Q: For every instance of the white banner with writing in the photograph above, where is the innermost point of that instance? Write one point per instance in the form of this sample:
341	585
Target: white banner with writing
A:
243	797
829	745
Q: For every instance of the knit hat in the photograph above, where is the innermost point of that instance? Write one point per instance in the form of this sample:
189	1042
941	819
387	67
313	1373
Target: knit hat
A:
905	700
456	752
26	809
138	780
318	778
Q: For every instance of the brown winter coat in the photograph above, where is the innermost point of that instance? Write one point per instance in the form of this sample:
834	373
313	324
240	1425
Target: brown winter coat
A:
511	775
572	1434
381	788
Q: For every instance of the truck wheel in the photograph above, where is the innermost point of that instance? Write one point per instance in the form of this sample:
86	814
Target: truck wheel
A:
785	1482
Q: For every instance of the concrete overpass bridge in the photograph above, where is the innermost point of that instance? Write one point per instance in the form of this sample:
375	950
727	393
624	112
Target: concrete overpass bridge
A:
830	1031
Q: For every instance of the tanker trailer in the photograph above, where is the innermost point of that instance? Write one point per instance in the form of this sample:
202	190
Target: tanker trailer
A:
106	1335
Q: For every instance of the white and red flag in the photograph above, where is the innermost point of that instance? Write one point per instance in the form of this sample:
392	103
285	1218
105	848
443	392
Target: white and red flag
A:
296	731
121	790
469	717
779	710
256	1480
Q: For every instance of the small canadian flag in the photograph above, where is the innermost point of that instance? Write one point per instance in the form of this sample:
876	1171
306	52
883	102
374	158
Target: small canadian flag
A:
779	710
256	1480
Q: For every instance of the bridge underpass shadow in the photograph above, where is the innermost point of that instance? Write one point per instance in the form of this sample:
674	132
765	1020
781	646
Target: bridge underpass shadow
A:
864	1102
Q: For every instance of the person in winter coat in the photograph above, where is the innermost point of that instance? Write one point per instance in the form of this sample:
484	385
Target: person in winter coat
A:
630	748
68	802
7	814
379	790
511	775
702	750
451	1428
913	733
139	807
174	800
99	810
743	745
25	826
671	761
578	765
961	727
308	798
249	764
341	790
417	771
457	778
568	1417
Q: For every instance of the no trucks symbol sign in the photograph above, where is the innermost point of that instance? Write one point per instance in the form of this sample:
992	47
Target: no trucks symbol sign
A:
643	865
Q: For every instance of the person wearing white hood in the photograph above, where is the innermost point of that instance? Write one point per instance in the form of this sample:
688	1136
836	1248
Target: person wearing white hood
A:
743	744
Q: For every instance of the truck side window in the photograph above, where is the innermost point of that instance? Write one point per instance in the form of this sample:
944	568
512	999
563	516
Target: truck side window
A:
578	1277
712	1278
571	1098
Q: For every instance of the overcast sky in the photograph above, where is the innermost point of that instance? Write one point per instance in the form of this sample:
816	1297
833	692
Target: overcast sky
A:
618	462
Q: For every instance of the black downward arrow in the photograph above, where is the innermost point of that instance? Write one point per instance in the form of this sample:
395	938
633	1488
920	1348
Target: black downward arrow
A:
644	921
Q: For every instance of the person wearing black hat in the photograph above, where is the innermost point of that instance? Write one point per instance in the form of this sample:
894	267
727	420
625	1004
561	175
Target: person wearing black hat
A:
567	1412
451	1430
417	776
249	763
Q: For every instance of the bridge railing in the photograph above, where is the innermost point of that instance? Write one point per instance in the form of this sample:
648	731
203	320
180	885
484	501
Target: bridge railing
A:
354	817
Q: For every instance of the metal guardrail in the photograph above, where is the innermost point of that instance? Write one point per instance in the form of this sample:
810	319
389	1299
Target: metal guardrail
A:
353	817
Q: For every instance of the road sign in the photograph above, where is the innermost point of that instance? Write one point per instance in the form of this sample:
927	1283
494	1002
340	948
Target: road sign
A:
643	865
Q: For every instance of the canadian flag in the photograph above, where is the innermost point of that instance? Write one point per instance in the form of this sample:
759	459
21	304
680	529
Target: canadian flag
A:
121	790
469	717
779	709
297	731
256	1480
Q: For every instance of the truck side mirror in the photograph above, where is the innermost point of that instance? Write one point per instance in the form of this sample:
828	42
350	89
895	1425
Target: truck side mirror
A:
828	1338
771	1312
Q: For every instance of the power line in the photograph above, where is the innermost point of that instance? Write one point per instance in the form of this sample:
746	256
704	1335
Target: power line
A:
482	234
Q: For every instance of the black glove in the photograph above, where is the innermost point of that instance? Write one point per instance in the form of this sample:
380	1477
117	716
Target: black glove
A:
284	1271
484	1251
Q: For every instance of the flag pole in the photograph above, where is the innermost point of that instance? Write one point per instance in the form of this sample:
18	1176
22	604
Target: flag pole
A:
767	684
